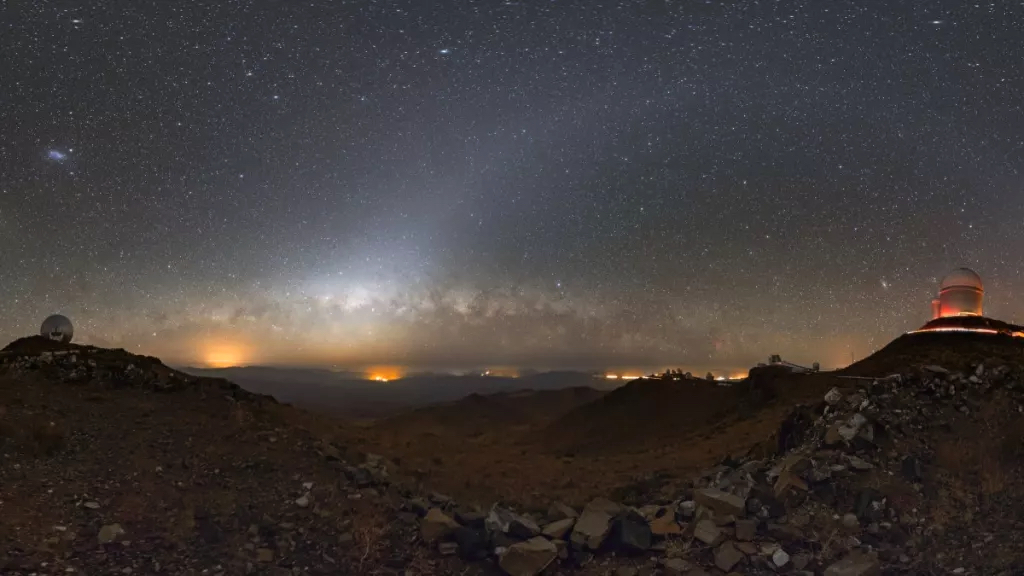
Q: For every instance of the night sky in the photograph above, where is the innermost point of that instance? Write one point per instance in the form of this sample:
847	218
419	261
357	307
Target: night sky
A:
521	183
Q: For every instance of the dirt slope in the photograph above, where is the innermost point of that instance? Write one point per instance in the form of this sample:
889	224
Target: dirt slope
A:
112	463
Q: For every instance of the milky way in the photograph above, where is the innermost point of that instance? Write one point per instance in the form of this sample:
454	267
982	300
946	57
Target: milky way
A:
543	184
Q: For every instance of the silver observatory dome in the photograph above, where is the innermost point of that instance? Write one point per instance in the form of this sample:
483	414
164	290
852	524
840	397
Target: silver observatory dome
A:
57	328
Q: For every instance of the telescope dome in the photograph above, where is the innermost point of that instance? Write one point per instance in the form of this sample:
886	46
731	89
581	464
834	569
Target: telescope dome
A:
57	328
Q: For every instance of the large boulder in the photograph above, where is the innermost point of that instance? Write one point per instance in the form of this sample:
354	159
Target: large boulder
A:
594	524
528	558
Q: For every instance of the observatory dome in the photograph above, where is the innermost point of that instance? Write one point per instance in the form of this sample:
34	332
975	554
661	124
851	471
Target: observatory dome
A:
962	277
960	294
58	328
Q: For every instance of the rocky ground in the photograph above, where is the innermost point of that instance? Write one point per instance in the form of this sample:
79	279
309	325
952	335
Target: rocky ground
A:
113	463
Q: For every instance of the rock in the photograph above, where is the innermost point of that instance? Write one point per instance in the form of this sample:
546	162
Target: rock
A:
664	522
559	529
687	508
746	530
832	436
302	501
833	396
559	511
91	505
748	548
436	525
780	558
850	521
264	555
720	502
471	542
911	469
788	479
528	558
860	464
677	566
934	369
857	563
630	533
447	548
849	430
727	556
523	527
707	532
563	549
498	520
594	525
800	561
419	506
474	518
109	533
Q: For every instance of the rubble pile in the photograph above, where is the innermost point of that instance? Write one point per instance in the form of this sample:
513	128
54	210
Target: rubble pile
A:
852	493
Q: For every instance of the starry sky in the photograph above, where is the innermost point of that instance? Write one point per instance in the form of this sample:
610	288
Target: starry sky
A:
545	184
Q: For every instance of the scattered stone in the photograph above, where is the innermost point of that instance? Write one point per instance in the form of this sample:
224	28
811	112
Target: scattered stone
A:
472	543
850	521
707	532
447	548
559	511
664	522
833	396
594	524
522	527
528	558
559	529
720	502
727	556
436	525
631	534
109	533
687	508
303	501
91	505
746	530
780	558
860	464
857	563
677	566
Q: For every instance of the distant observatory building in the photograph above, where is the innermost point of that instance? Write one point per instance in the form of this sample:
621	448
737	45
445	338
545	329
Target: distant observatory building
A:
57	328
958	308
960	294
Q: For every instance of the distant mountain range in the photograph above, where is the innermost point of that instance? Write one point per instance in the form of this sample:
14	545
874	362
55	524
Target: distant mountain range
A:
351	395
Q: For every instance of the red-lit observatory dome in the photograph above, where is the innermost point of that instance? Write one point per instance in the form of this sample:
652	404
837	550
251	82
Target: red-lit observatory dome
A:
960	294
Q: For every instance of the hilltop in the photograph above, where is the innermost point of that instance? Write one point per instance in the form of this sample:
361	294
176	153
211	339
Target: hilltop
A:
114	463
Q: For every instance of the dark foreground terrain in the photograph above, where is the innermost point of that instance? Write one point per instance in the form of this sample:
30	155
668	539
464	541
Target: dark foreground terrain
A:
115	464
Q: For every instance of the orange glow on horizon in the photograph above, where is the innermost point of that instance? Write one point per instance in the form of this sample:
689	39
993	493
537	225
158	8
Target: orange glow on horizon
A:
224	354
384	373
